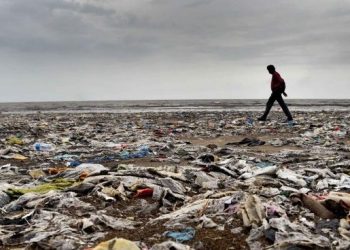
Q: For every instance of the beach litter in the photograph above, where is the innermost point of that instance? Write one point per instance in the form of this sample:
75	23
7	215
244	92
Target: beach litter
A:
174	180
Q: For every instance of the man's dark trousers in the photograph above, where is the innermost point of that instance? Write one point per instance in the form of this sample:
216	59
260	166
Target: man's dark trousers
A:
277	96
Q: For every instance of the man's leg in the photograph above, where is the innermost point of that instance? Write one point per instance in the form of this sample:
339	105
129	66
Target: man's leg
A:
269	105
284	107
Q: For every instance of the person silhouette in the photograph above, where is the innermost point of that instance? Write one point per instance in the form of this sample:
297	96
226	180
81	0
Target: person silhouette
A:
278	88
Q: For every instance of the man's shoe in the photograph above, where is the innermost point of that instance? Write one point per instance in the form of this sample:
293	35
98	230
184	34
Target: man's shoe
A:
262	119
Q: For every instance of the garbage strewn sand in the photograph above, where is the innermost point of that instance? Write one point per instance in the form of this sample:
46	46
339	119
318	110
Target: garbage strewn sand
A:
180	180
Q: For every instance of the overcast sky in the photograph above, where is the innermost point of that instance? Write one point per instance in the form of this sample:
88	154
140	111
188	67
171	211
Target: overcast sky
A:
172	49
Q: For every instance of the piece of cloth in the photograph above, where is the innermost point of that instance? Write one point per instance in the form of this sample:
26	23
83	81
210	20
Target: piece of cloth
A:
277	96
252	211
57	184
277	83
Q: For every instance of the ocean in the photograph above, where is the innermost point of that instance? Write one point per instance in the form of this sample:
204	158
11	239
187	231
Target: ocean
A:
170	106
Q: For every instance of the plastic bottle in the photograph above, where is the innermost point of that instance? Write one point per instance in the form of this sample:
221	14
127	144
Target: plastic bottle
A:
250	121
43	147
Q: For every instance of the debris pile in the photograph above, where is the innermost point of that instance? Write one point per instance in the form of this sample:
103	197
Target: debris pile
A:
179	180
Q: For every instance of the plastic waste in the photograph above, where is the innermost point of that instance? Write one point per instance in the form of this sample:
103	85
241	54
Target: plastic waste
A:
181	236
80	172
250	121
170	245
36	173
14	140
252	211
66	157
290	234
116	244
141	152
73	163
4	199
255	234
264	164
39	146
143	193
57	184
124	155
8	170
14	156
177	170
291	176
206	222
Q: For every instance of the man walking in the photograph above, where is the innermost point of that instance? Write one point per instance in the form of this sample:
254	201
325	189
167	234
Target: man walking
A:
278	87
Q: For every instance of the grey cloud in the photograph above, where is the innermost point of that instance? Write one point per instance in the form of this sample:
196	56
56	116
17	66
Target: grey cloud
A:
173	34
218	28
48	25
198	3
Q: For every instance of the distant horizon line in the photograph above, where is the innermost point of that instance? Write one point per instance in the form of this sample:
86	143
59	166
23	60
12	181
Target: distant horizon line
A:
143	100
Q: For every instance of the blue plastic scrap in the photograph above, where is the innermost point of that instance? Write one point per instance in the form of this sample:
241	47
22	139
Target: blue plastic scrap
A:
142	151
182	236
264	164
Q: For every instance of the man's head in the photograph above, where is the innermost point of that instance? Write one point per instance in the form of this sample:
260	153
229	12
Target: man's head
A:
271	69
